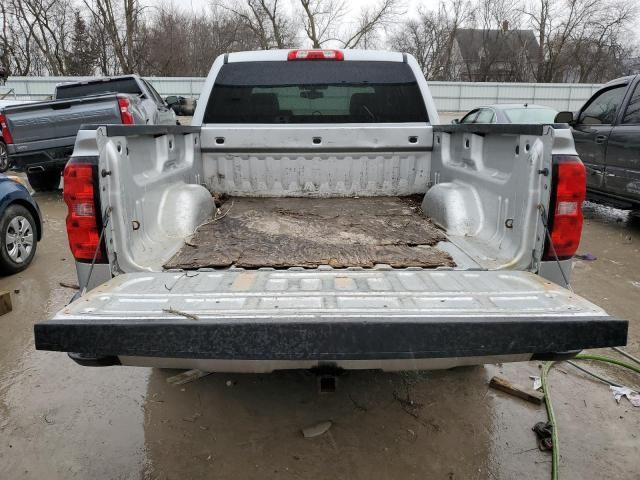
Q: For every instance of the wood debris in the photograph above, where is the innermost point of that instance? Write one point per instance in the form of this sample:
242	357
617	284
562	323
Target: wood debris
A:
186	377
190	316
528	394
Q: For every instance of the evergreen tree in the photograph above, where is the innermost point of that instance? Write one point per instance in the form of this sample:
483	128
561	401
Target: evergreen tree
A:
81	57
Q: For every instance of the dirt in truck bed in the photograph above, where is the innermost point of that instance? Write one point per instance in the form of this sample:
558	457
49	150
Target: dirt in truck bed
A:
308	232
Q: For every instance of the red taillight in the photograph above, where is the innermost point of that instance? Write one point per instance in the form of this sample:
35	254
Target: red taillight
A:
126	116
565	209
82	216
4	128
315	55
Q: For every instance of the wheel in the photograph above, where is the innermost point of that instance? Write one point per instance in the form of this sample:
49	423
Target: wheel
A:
44	181
18	239
4	157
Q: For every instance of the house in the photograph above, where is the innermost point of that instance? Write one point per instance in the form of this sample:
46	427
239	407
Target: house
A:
495	55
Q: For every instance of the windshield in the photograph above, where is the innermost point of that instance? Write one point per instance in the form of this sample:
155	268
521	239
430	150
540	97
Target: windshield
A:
315	92
115	85
530	115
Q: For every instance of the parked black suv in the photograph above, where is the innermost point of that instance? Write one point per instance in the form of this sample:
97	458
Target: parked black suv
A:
606	131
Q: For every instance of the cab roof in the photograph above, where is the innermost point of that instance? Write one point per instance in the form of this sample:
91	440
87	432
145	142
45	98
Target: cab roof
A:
281	55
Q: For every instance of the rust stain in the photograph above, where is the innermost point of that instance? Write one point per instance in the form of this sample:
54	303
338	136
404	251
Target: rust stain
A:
244	281
344	283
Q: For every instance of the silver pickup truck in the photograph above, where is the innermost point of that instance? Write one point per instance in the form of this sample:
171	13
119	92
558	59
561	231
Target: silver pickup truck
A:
316	215
40	136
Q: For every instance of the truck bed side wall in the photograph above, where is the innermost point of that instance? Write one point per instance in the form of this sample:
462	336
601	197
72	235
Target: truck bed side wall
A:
153	188
486	191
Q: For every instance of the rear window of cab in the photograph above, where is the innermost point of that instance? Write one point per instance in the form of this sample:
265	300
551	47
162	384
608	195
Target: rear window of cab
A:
321	91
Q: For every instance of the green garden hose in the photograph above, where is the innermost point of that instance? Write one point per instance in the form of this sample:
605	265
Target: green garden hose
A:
615	361
555	453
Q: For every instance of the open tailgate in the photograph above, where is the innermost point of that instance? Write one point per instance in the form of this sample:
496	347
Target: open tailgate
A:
328	314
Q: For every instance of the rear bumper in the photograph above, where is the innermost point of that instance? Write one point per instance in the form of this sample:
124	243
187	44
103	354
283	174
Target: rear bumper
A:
52	159
335	340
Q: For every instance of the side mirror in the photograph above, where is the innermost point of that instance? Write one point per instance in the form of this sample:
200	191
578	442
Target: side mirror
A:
171	100
564	117
455	121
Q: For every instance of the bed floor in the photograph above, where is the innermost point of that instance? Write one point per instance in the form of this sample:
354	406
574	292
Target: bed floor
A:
309	232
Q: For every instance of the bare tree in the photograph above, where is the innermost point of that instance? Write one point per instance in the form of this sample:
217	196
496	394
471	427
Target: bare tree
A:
39	31
7	39
577	40
266	20
50	19
431	38
321	19
323	22
427	39
19	49
123	26
581	40
540	24
369	21
106	61
457	14
492	14
489	40
601	49
199	37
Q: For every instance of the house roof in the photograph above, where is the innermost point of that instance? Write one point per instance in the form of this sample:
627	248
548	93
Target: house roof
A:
500	45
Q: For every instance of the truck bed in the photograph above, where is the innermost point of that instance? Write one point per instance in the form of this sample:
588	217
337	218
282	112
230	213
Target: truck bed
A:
309	232
58	119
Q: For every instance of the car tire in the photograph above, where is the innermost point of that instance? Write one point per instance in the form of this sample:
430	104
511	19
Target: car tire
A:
44	181
4	157
18	239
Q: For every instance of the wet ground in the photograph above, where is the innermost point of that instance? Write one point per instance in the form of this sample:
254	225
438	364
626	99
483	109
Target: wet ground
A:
62	421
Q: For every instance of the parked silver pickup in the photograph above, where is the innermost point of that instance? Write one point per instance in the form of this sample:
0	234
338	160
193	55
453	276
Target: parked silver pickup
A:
40	136
316	215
